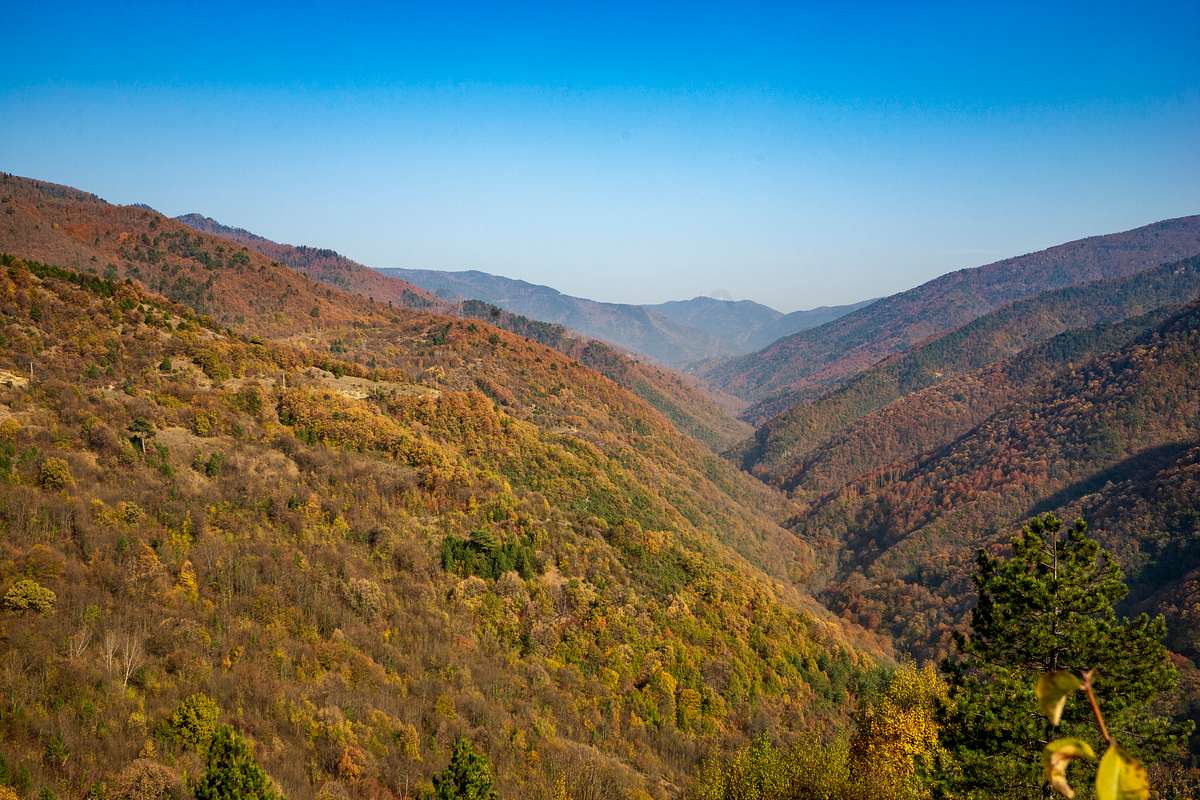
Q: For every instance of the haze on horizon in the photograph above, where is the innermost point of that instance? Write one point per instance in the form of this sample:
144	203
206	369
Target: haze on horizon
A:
794	154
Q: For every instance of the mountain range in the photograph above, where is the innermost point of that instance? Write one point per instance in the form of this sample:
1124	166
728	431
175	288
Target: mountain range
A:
805	364
703	414
897	541
783	449
676	333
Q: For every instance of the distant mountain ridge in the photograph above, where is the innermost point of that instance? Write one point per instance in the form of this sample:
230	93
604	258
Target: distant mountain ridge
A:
804	365
745	324
322	264
631	327
676	333
683	400
783	447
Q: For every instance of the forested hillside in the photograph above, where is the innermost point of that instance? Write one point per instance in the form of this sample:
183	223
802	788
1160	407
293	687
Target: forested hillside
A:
1147	510
231	283
805	365
321	264
784	450
358	532
896	543
357	565
690	407
693	409
925	421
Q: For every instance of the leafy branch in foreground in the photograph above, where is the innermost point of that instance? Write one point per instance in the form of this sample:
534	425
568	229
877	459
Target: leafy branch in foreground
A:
1120	776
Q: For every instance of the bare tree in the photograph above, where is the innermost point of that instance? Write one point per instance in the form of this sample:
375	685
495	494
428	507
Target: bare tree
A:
131	653
110	645
78	642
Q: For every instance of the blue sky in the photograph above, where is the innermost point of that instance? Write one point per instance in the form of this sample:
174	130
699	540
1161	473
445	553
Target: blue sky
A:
796	154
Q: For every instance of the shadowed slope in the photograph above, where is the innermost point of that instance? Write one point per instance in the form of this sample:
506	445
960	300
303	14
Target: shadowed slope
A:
897	542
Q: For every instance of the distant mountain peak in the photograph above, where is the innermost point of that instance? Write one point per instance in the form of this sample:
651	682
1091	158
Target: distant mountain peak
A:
208	224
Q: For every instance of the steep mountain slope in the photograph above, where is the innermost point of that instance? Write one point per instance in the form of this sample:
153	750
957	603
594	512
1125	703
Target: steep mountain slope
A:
233	284
805	365
689	406
927	420
802	320
321	264
364	531
676	333
1151	520
898	541
783	446
326	322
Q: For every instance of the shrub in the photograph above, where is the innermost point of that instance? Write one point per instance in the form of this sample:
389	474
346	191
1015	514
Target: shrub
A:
194	722
365	597
249	399
146	780
409	741
29	595
55	474
204	424
130	512
211	363
56	751
209	467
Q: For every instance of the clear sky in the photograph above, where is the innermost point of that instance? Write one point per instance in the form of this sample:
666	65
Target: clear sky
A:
796	154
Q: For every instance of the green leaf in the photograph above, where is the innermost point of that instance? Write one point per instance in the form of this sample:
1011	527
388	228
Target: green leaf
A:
1121	777
1052	689
1058	755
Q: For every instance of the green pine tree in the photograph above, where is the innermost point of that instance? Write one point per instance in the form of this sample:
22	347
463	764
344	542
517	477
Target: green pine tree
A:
468	776
232	773
1050	606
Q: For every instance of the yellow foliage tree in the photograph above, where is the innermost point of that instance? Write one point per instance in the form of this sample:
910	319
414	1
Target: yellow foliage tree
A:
896	743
